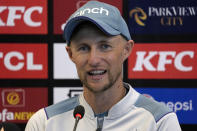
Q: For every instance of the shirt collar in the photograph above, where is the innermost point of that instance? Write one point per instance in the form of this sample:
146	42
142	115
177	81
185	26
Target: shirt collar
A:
125	104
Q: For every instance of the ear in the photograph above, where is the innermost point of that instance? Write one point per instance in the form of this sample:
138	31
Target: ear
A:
69	51
128	48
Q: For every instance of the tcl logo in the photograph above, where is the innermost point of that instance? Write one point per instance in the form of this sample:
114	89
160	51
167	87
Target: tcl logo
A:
15	66
23	17
163	61
23	60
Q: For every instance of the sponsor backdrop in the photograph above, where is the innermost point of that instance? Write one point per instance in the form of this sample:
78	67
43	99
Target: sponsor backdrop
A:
35	70
19	104
72	5
61	60
183	101
23	60
172	17
163	61
23	17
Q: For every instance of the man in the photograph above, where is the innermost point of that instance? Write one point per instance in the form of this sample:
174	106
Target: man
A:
98	43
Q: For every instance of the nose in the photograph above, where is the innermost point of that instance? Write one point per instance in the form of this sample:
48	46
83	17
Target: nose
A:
94	58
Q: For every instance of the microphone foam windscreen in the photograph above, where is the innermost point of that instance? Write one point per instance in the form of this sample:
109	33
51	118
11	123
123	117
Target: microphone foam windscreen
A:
79	110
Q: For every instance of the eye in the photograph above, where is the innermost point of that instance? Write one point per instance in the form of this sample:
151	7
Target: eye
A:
83	48
105	47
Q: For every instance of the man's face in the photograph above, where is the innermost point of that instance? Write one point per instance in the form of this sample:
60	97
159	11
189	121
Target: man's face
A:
98	58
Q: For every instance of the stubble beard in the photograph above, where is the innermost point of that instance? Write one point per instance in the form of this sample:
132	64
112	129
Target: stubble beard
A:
112	81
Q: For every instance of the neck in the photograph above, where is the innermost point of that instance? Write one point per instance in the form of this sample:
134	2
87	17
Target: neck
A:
103	101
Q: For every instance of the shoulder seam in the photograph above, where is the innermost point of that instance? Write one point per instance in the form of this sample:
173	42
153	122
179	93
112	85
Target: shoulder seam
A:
158	110
61	107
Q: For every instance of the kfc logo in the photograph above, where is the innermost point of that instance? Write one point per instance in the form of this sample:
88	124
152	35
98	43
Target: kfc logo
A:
20	17
23	60
163	61
144	60
25	15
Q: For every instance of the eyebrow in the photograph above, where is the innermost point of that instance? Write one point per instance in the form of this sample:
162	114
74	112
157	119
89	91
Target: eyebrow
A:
105	39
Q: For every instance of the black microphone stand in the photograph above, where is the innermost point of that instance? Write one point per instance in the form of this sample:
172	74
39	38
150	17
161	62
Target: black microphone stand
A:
76	122
99	129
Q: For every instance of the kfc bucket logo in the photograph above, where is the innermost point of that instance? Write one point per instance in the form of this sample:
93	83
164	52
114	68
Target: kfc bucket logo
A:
72	6
81	3
23	61
18	17
163	61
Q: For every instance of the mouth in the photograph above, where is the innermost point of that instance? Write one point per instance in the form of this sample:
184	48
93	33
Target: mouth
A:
97	72
97	75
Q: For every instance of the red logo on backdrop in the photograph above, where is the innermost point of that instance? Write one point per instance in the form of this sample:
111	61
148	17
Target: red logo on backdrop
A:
13	97
163	61
22	17
23	61
19	104
63	10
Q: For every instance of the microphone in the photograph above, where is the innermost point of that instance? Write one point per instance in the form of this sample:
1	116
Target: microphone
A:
78	114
